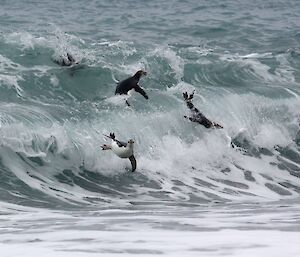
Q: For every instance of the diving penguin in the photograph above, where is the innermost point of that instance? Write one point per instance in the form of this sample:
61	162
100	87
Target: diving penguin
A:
198	116
121	149
65	60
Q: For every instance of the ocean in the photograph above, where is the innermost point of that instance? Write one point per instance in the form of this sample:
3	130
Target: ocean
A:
196	192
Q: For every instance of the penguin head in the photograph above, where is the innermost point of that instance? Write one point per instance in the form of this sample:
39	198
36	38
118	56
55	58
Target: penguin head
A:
139	74
130	141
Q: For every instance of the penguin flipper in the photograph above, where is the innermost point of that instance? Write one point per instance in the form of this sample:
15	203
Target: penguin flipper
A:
141	91
120	143
218	126
128	104
133	163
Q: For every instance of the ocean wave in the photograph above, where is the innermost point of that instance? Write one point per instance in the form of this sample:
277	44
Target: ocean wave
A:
52	125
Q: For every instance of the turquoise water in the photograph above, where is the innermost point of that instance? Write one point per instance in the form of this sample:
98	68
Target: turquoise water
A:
241	58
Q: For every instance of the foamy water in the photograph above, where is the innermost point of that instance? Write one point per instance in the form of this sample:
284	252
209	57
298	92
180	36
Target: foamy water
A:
203	230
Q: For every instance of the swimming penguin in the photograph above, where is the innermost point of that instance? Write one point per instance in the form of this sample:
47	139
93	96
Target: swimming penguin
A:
122	149
63	61
197	116
131	83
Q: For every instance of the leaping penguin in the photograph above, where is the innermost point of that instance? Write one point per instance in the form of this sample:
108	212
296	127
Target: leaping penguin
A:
131	83
121	149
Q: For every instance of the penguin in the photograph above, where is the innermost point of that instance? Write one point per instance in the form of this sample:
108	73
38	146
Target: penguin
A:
66	61
131	83
121	149
198	116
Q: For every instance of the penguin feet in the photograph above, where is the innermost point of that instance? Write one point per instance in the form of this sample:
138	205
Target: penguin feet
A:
106	147
187	97
112	135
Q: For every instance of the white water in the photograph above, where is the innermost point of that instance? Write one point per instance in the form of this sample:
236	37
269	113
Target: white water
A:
204	230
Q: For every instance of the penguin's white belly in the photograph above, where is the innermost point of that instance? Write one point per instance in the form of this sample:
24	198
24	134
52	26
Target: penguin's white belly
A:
122	152
130	92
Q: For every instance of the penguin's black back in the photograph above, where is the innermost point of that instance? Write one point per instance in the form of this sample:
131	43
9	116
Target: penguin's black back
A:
125	85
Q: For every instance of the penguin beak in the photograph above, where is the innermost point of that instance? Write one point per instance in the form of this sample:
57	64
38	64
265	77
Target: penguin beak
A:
144	73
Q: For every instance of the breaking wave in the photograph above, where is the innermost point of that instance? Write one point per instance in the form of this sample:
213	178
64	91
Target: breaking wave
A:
53	119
